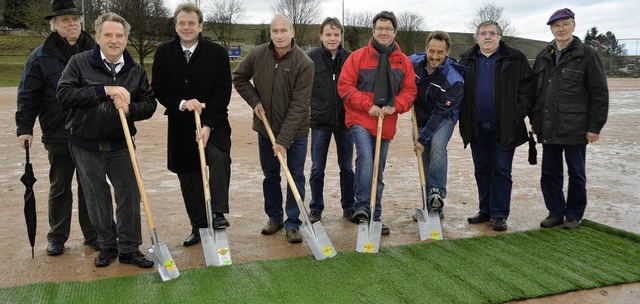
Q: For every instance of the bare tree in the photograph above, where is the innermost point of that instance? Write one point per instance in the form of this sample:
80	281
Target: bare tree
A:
148	19
410	32
357	29
34	17
492	11
303	14
224	15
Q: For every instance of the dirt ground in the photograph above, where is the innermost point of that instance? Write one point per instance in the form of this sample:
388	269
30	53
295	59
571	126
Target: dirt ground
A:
613	169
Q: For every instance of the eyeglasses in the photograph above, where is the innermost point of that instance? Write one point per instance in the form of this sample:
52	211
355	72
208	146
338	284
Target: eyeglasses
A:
382	29
565	24
488	33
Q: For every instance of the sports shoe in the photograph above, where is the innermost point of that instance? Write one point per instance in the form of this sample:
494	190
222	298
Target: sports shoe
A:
499	224
135	258
293	236
571	224
349	215
551	221
385	230
271	228
106	256
360	215
315	216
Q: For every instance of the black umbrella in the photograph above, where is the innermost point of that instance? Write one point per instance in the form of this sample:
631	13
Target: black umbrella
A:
28	179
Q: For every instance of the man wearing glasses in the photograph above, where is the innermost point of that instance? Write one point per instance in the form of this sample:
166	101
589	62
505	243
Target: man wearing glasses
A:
571	108
498	95
377	80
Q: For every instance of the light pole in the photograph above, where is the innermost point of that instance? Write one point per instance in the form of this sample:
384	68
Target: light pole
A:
83	15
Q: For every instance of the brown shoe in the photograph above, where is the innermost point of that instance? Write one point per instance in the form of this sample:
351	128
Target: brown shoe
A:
271	228
293	236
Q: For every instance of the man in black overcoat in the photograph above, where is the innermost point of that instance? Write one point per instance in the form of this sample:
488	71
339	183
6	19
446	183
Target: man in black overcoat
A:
189	71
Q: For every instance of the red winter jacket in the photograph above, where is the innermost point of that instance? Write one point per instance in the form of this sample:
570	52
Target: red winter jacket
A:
356	88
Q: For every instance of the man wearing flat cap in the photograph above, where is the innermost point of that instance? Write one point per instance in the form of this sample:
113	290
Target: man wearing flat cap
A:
37	98
572	101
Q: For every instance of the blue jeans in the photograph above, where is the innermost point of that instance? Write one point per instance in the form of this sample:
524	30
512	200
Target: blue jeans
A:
365	148
492	166
551	180
296	156
93	169
434	158
320	140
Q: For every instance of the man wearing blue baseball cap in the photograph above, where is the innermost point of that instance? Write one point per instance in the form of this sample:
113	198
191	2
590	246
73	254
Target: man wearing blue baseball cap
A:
572	102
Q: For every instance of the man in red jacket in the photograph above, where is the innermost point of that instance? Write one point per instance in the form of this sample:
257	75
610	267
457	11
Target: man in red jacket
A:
377	80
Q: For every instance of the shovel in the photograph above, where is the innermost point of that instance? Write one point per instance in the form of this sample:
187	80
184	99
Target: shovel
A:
369	233
314	234
428	220
158	251
215	242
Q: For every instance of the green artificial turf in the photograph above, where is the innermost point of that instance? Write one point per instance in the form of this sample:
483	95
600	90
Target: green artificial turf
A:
485	269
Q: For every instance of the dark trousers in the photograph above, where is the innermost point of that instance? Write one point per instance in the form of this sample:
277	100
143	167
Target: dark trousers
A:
552	180
61	196
93	169
320	140
492	166
295	158
219	163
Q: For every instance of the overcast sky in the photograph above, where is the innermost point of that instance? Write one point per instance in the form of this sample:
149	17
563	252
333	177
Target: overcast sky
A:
528	17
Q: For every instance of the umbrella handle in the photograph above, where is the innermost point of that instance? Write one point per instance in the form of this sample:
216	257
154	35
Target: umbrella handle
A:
136	170
26	147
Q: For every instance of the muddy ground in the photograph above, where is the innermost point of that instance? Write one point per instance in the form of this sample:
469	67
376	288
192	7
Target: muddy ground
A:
613	170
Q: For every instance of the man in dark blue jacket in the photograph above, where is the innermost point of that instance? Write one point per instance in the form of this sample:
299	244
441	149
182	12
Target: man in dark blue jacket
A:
440	88
327	118
37	98
498	95
181	85
572	103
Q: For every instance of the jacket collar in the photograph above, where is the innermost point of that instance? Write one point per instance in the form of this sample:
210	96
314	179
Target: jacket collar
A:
96	59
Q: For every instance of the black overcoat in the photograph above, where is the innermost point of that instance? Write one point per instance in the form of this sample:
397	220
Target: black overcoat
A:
207	77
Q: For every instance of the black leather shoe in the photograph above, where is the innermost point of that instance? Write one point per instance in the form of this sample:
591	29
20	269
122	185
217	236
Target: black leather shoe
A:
315	216
106	256
55	248
93	244
271	228
499	224
192	239
385	230
479	218
135	258
219	221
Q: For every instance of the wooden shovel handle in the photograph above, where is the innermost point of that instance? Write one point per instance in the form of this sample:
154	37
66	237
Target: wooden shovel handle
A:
283	164
376	165
203	159
136	170
414	121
